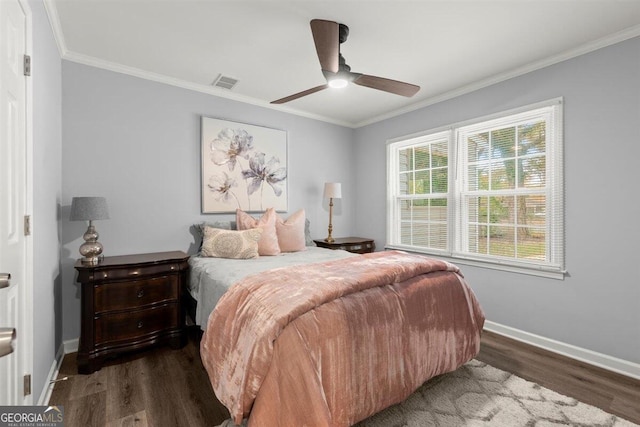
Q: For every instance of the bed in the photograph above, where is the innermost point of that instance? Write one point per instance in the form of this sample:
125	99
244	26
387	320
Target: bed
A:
328	338
210	278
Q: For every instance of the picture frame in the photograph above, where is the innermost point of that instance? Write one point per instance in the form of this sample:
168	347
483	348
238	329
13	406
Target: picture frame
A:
244	167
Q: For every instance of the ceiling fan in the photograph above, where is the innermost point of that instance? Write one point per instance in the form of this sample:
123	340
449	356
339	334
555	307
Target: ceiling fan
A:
328	36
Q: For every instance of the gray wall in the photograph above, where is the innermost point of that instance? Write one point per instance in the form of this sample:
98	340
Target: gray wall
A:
47	181
597	305
137	143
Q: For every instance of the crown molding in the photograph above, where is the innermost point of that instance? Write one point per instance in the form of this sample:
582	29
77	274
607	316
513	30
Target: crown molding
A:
609	40
54	20
68	55
222	93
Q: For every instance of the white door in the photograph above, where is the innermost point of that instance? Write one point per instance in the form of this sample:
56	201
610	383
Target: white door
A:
13	194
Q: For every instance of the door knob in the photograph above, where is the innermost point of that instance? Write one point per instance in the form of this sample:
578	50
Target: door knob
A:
7	337
5	279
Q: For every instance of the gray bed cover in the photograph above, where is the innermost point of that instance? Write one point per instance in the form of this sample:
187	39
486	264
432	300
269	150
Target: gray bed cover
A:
210	278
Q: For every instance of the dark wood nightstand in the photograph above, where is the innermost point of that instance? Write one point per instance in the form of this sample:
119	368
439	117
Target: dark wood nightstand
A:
357	245
130	302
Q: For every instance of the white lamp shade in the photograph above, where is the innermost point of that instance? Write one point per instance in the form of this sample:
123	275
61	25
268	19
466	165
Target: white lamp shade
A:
332	190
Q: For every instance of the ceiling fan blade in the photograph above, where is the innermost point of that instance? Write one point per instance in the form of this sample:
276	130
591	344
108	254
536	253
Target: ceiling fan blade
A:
387	85
300	94
326	35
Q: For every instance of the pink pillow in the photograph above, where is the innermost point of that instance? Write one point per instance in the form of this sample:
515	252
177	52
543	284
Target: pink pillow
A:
291	232
268	243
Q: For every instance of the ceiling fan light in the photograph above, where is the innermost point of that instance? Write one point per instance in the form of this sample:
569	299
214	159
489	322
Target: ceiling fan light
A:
338	83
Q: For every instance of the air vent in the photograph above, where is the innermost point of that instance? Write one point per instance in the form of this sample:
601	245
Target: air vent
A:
225	82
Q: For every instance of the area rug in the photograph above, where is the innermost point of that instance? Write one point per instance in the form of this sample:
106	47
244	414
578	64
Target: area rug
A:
478	395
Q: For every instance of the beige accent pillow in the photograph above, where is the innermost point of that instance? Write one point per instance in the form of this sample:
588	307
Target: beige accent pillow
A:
268	244
230	243
290	232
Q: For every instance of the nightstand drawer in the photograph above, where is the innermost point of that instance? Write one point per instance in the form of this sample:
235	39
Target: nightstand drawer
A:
132	273
135	293
127	326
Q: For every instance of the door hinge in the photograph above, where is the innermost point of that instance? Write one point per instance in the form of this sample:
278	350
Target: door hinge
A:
27	65
27	225
27	384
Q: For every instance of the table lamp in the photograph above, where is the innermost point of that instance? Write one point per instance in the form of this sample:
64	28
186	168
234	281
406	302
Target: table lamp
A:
332	190
89	209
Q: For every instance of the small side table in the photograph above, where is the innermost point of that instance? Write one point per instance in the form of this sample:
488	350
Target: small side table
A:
357	245
130	302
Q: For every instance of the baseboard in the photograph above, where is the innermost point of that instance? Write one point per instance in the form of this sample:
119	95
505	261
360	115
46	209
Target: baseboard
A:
71	346
66	347
600	360
45	395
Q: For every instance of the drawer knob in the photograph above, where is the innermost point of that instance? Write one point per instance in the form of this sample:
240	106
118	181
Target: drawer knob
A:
139	324
140	293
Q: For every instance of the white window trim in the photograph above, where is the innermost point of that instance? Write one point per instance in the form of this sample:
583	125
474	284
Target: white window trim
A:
554	170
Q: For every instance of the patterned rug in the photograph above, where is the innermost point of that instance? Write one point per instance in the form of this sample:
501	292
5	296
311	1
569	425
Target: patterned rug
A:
478	395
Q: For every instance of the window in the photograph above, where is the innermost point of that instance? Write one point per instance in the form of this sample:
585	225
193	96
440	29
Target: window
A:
487	191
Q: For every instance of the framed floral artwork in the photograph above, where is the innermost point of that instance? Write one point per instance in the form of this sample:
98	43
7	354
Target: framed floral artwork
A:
243	166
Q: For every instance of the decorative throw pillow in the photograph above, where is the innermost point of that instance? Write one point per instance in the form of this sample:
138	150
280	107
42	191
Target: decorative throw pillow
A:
199	228
268	244
291	236
221	243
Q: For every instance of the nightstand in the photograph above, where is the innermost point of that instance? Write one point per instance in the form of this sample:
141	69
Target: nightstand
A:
357	245
130	302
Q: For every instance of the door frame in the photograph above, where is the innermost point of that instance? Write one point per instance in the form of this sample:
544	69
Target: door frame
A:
26	303
24	313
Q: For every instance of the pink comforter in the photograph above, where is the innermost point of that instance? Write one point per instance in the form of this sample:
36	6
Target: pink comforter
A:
330	344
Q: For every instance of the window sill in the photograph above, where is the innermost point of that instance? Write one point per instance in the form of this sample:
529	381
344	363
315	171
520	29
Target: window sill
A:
532	271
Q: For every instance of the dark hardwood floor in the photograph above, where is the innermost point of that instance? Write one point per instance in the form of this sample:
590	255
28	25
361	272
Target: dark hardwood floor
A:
165	387
614	393
160	387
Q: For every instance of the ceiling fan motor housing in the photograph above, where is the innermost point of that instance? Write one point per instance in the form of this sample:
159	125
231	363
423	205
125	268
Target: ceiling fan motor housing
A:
343	32
342	64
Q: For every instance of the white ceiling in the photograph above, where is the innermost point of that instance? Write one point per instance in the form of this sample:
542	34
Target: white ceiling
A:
446	47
